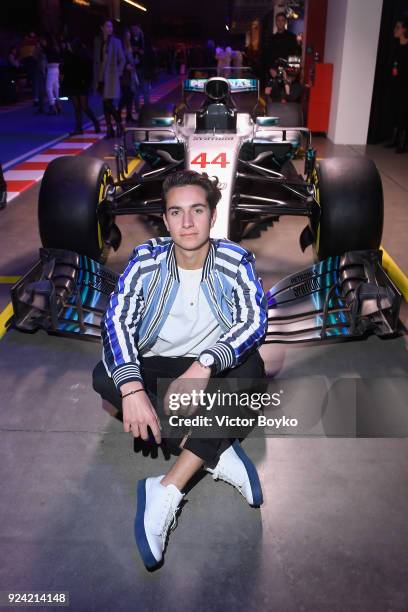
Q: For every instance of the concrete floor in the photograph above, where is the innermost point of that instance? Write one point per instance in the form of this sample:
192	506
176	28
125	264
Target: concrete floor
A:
332	534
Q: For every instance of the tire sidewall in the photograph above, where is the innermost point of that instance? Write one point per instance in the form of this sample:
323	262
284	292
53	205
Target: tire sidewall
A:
71	190
350	196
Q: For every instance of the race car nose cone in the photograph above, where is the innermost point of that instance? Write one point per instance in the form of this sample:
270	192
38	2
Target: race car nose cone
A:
217	88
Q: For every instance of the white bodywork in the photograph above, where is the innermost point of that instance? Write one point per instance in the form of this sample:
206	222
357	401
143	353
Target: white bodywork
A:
216	153
212	145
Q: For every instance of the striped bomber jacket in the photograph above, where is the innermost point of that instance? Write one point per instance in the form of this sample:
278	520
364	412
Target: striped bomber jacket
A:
146	291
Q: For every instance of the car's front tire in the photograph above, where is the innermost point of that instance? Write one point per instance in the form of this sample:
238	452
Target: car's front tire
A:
71	190
351	208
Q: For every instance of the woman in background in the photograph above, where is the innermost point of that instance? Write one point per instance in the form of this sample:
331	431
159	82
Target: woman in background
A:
77	82
109	62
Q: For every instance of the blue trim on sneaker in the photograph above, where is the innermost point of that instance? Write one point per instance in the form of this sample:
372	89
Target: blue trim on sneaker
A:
254	481
140	535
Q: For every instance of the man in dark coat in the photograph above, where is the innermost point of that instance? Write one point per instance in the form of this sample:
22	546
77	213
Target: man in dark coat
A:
282	44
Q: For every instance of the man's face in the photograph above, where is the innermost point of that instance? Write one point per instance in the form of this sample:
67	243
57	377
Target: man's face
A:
188	217
399	30
280	23
107	28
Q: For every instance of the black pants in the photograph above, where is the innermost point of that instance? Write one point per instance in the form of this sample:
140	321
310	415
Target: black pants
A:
126	100
154	368
110	111
81	104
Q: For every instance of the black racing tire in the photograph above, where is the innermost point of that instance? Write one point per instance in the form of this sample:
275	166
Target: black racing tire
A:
290	114
150	112
71	189
350	195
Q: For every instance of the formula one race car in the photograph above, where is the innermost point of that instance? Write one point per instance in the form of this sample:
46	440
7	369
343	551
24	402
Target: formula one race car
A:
346	294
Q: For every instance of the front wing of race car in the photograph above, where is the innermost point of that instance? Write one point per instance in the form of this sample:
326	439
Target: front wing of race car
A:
340	298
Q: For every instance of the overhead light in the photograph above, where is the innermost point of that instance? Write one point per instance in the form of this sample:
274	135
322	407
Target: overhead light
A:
137	5
226	27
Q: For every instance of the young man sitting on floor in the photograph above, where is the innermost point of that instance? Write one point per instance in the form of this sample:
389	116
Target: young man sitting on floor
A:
188	308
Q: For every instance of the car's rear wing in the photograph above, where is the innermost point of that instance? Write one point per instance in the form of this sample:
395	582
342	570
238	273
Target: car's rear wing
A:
242	80
237	85
339	298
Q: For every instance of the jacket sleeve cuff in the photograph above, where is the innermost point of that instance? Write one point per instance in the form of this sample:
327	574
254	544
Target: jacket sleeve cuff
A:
224	356
127	372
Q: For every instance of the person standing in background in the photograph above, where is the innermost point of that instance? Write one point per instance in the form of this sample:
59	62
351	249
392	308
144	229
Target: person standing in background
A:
40	73
209	60
28	61
53	54
3	190
280	45
148	70
77	82
399	88
109	62
223	57
237	60
137	41
13	61
129	80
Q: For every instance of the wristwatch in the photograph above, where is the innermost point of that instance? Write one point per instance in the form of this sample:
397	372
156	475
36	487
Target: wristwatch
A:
206	360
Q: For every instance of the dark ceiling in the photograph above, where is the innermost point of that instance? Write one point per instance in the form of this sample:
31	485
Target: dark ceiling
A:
205	19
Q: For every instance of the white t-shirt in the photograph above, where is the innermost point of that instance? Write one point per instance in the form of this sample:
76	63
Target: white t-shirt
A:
191	327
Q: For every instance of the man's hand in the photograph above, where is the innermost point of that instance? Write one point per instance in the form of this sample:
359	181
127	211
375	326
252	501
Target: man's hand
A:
139	414
195	378
268	90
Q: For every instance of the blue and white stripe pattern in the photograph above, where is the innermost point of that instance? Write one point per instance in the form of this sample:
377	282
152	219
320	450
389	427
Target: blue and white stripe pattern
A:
146	291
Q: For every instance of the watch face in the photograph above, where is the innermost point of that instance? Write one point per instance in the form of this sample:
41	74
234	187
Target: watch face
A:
206	360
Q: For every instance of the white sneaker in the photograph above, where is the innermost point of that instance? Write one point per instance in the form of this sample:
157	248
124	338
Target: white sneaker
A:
157	506
236	468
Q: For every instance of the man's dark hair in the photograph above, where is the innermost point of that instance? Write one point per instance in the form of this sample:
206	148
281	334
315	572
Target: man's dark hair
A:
184	178
281	14
403	20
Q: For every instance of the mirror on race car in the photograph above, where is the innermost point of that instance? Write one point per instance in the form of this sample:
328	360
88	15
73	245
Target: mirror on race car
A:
162	121
267	121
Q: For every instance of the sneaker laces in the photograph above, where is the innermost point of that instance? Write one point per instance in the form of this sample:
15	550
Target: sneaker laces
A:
168	518
227	477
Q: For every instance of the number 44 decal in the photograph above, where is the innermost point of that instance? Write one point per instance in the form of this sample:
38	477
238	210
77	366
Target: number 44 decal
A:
202	161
